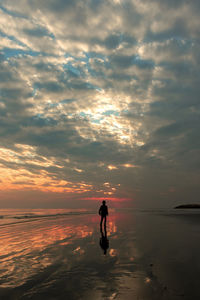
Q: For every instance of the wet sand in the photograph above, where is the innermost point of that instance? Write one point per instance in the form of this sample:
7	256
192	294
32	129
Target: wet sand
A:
149	255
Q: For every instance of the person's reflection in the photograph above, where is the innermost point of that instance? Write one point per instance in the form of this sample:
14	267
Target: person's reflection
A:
104	242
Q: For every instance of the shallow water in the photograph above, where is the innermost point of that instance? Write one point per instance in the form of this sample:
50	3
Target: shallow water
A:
151	255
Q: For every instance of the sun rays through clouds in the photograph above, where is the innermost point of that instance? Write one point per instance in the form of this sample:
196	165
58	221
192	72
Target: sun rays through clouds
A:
100	91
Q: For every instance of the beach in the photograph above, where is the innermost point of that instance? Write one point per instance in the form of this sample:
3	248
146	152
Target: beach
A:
59	255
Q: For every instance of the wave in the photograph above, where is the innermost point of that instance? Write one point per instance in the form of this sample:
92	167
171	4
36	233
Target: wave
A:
33	216
16	219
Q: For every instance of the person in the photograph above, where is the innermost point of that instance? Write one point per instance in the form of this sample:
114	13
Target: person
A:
103	212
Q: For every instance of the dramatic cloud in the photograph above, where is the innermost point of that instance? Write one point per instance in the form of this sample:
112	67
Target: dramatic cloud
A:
100	99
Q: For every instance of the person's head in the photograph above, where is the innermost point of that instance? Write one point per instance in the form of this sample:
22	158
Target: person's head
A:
104	202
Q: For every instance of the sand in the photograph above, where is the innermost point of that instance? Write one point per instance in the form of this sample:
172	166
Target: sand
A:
149	255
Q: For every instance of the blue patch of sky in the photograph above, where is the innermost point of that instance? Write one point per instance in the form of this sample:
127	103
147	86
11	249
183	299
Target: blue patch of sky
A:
8	52
79	71
76	71
96	121
90	117
41	120
101	115
86	57
76	58
65	101
89	55
15	52
142	63
86	60
110	112
93	87
82	114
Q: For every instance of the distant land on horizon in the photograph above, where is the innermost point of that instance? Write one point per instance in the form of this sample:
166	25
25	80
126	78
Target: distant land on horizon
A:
188	206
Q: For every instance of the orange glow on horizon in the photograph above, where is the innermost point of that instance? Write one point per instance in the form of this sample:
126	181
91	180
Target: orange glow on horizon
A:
28	170
21	175
116	199
22	179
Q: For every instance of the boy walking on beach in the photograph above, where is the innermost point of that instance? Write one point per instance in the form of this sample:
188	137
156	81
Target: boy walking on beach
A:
103	212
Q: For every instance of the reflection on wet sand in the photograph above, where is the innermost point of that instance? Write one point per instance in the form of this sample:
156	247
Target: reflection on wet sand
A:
26	249
40	257
64	258
104	242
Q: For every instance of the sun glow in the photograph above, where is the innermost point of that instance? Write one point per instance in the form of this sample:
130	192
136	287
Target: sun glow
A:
111	167
21	174
129	166
21	178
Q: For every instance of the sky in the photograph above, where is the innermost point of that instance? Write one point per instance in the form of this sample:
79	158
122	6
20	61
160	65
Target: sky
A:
99	99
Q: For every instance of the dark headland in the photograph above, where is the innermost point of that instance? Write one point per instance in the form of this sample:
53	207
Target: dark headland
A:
188	206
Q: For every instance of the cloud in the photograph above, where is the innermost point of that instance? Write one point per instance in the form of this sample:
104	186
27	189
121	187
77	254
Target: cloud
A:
101	92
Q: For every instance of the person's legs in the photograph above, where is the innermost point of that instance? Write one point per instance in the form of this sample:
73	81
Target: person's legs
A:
103	218
104	221
101	221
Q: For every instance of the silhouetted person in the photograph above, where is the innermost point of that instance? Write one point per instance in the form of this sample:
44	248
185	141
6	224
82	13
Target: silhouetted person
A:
103	212
104	242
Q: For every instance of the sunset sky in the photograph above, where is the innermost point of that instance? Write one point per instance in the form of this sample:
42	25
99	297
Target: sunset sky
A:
99	100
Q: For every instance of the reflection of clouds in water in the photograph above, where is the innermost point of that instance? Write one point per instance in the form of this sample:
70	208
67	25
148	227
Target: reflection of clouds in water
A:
64	253
29	248
113	252
112	227
78	250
